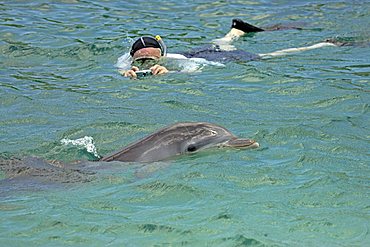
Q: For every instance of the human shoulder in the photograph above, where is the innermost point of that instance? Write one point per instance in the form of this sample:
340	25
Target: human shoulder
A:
176	56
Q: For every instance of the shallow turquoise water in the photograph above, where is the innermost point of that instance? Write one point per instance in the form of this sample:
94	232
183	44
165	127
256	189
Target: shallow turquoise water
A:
307	185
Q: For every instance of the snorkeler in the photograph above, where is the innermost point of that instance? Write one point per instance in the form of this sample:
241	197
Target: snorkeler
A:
146	52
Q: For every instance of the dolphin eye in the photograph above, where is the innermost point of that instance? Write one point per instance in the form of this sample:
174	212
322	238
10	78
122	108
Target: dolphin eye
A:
192	148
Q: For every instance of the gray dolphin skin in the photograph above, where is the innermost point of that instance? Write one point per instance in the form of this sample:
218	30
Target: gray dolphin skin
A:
179	138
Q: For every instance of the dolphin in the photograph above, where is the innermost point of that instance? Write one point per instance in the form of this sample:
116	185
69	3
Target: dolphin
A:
179	138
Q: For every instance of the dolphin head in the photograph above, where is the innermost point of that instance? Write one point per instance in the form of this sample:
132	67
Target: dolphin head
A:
180	138
201	136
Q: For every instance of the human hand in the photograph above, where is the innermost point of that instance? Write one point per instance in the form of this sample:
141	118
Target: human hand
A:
158	69
132	72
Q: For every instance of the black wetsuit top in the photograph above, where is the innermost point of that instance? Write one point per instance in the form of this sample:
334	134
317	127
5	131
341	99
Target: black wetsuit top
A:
214	53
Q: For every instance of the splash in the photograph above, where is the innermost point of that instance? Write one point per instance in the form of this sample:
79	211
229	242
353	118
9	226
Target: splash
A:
86	142
190	65
124	62
185	64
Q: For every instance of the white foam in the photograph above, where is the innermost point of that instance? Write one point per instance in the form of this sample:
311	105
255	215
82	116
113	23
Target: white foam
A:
190	65
86	142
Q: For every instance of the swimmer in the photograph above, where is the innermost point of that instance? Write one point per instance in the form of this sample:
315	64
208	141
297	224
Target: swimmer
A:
146	52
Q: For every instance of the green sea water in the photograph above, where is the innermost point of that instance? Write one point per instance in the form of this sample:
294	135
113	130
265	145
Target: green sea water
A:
307	185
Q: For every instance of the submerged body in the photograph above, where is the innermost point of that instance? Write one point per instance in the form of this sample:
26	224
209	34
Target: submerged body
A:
180	138
216	54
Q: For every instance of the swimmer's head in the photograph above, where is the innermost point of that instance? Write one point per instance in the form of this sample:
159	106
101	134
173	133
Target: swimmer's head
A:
148	48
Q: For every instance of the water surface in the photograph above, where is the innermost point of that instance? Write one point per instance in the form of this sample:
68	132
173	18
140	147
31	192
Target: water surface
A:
307	185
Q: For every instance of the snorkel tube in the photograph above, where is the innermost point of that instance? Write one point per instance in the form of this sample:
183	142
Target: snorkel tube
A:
161	43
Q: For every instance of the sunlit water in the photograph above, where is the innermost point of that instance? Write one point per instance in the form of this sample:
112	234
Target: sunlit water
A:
307	185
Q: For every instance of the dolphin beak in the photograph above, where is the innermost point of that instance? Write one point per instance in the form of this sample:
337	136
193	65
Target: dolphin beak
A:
241	143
